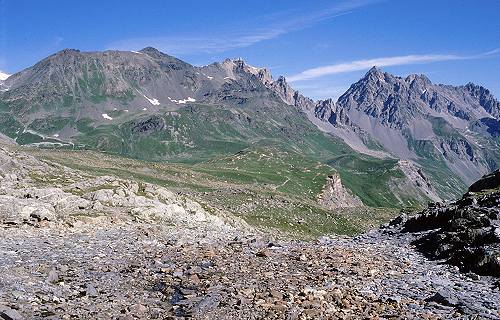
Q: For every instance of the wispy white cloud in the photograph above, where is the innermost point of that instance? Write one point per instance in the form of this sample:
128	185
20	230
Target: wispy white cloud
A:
178	45
285	23
368	63
491	52
358	65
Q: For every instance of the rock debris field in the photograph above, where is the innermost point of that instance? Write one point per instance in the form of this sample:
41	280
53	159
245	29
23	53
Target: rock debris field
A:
98	270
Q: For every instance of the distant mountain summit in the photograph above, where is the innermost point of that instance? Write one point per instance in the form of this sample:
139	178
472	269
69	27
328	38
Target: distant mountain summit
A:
89	83
412	117
150	105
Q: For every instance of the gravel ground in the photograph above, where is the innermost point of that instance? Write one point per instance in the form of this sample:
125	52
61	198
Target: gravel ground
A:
102	270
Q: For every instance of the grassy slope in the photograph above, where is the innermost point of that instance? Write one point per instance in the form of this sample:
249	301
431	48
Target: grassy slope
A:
281	197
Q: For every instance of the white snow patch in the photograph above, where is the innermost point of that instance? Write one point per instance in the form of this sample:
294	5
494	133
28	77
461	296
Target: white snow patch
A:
126	110
144	109
154	102
56	135
136	52
209	77
4	76
105	116
189	99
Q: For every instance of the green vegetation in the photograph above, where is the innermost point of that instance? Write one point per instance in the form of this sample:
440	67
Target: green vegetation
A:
10	126
366	177
49	125
262	162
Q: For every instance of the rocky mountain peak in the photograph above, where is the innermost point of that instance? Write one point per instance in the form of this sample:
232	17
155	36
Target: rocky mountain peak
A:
284	90
374	73
282	83
61	57
67	51
419	79
486	99
375	70
151	51
240	66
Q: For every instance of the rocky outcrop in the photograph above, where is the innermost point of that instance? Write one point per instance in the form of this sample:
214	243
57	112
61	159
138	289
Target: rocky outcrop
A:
34	192
488	182
416	182
148	126
335	195
465	233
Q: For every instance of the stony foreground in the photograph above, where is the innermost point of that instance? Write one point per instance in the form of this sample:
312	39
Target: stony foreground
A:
102	270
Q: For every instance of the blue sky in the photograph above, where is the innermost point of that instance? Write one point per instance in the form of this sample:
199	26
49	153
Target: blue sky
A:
320	46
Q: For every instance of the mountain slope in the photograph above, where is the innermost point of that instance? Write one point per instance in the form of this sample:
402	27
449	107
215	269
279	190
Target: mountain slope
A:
149	105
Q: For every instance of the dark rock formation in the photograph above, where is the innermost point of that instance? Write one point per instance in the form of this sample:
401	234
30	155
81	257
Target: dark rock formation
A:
465	233
490	181
149	125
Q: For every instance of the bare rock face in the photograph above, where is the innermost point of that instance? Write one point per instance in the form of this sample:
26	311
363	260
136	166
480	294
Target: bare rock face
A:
417	181
148	126
334	195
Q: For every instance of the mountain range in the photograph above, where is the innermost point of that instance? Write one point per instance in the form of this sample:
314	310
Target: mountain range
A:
392	141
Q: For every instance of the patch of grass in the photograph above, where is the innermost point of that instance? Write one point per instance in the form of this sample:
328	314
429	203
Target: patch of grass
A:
368	178
49	125
10	126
